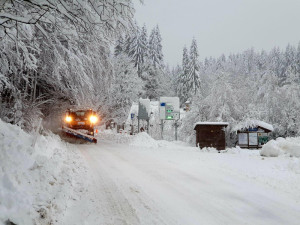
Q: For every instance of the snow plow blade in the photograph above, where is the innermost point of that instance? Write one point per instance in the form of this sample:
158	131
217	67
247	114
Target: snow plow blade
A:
79	134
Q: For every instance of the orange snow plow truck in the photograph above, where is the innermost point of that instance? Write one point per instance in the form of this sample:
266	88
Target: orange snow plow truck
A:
81	123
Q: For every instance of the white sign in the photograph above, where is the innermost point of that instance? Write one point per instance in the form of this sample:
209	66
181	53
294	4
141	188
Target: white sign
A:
169	108
243	139
253	139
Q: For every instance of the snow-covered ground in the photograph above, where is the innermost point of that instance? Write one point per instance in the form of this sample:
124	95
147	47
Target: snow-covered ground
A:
138	180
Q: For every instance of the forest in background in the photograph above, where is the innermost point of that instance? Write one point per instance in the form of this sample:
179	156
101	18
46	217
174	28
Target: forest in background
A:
248	85
54	54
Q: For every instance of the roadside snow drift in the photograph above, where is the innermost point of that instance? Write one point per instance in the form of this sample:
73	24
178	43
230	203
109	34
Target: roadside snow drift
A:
35	183
282	146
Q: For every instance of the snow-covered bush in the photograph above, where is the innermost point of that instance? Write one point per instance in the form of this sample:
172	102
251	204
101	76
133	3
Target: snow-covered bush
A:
282	146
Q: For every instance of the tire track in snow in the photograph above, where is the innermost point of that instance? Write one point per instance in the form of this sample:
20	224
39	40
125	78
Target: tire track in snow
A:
115	207
119	187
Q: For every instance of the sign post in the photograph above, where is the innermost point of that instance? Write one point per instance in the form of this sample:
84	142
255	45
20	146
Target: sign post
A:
169	110
132	117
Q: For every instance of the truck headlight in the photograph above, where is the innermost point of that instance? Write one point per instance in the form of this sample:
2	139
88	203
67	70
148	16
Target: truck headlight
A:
93	119
68	119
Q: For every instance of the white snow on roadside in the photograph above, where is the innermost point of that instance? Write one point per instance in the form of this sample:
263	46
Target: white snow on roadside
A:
143	139
147	182
126	179
36	184
282	146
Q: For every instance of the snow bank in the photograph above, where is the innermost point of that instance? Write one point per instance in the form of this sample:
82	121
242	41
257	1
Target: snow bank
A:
280	146
144	140
111	135
36	183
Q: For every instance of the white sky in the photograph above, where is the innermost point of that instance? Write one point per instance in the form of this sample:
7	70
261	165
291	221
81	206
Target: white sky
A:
221	26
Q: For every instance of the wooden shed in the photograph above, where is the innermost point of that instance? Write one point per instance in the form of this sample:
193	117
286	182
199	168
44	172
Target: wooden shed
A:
252	133
211	134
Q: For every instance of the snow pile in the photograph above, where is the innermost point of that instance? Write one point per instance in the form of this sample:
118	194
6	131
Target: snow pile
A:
235	150
144	140
281	146
112	135
36	184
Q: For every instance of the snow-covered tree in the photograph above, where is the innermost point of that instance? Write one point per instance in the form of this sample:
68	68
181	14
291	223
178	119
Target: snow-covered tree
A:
138	48
126	88
119	48
193	76
57	52
183	82
155	48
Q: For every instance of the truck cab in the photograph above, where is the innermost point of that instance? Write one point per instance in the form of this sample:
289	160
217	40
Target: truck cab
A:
81	119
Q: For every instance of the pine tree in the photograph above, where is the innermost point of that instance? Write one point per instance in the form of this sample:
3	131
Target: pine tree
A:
155	48
137	48
193	77
144	41
151	80
298	60
183	79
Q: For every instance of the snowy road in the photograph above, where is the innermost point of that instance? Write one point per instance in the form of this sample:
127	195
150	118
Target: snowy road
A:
180	185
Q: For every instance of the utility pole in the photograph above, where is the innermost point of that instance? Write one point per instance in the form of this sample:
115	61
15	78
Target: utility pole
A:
176	125
162	128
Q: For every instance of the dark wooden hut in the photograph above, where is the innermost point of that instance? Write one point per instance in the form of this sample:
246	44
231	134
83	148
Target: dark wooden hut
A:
211	134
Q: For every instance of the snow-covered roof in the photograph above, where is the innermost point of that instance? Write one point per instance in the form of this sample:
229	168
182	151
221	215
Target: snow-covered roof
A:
252	124
211	123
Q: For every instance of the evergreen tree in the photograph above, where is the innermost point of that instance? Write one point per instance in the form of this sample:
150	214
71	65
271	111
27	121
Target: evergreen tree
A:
297	61
127	87
155	48
183	89
144	41
193	77
137	48
151	79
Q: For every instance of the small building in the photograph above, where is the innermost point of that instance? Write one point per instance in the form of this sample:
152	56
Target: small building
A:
252	133
211	134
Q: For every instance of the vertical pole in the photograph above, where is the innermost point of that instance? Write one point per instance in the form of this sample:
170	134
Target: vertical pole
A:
175	130
132	126
138	125
148	126
162	129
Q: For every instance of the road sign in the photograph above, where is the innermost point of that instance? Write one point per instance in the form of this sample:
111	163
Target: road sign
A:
169	108
144	108
132	116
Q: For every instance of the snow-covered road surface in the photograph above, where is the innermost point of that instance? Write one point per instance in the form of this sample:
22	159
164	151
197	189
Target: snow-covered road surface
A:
180	185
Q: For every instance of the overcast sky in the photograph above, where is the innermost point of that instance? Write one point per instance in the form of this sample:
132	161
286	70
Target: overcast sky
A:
221	26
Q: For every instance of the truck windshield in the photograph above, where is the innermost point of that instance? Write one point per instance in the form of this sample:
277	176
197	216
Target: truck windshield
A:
81	113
